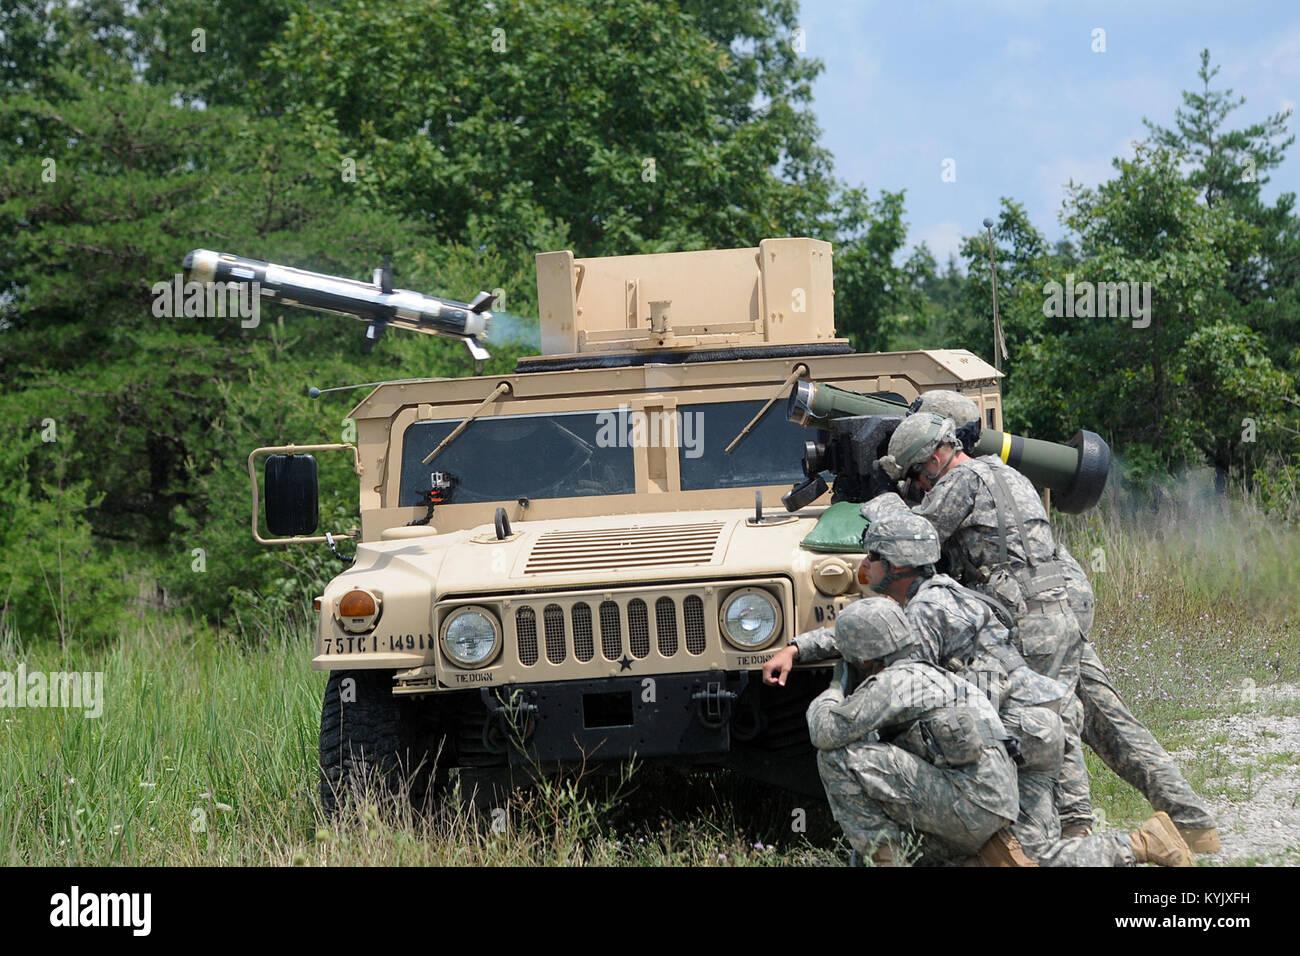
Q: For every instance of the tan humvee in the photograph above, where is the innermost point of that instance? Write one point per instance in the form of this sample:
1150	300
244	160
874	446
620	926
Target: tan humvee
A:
599	583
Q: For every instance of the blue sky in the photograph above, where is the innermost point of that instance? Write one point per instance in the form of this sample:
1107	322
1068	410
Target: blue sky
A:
1012	91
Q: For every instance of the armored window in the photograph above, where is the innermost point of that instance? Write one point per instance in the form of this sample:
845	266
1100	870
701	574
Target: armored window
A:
559	455
771	454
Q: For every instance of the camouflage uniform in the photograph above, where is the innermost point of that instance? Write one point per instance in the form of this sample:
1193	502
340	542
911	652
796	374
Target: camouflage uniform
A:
882	779
1026	578
989	544
960	631
1121	740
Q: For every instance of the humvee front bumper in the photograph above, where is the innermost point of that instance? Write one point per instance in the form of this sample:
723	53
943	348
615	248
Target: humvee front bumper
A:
615	717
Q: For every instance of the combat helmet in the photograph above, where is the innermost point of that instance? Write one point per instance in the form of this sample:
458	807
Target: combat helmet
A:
965	414
914	440
949	404
904	539
888	503
873	629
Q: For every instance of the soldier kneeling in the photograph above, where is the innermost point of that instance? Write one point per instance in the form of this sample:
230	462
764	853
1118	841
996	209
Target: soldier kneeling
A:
912	748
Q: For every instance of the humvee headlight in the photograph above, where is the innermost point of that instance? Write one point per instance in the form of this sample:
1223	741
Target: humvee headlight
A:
470	636
750	618
358	610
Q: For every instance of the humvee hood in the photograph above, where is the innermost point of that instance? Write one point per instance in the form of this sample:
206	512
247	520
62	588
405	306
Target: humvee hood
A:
597	551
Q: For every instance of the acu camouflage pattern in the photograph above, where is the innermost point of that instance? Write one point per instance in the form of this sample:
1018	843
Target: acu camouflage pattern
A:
884	504
879	791
960	631
947	404
954	626
963	509
913	441
1122	741
872	629
903	539
1039	831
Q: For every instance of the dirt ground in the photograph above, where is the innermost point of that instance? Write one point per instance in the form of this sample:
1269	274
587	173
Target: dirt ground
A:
1254	790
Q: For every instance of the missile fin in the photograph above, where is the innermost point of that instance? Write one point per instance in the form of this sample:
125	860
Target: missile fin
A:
373	331
482	302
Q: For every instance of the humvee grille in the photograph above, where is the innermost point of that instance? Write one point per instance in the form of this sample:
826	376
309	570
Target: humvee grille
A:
624	548
611	631
693	612
673	625
577	634
666	626
584	647
526	626
553	620
638	627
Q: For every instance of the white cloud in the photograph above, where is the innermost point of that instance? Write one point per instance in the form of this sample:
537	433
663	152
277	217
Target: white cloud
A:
1022	49
1092	169
942	237
1285	56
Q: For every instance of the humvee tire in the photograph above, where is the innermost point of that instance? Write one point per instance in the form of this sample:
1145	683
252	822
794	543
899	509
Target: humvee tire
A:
373	741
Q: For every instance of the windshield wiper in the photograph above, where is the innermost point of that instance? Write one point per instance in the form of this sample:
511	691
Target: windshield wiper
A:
799	371
502	389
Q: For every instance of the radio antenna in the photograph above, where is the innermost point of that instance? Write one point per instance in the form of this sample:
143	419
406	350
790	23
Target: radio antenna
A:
999	340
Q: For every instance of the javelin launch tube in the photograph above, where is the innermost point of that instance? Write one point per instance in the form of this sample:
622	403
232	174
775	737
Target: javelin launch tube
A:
1075	471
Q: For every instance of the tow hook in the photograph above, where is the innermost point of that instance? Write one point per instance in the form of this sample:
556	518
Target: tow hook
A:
713	704
513	717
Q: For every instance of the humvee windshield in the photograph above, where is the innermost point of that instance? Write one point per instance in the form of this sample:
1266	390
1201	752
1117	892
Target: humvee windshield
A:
771	454
554	455
577	454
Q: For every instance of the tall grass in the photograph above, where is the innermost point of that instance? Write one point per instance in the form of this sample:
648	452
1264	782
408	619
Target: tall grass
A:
1198	611
1193	598
206	753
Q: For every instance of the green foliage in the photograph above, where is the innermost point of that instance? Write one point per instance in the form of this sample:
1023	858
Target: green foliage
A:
872	295
625	127
168	409
1278	485
56	579
1228	168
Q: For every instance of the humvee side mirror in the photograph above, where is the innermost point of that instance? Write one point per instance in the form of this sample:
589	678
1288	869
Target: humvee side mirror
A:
290	490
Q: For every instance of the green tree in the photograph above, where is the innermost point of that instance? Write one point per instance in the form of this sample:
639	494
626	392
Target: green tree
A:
628	127
1230	167
872	295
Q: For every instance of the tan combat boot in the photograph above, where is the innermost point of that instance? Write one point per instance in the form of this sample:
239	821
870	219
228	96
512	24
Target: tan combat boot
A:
1201	841
1075	830
1003	849
888	854
1158	841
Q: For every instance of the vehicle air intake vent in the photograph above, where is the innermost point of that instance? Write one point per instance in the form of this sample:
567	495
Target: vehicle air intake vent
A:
624	548
526	625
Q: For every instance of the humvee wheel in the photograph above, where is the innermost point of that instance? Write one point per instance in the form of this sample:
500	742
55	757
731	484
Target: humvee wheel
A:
370	741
